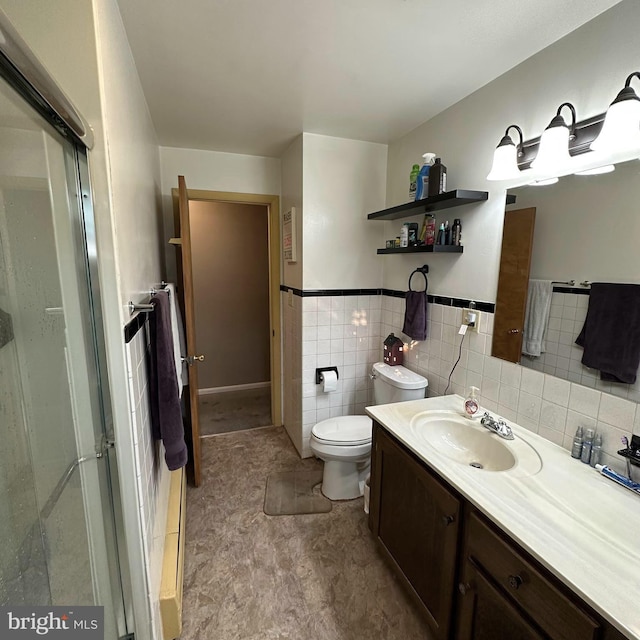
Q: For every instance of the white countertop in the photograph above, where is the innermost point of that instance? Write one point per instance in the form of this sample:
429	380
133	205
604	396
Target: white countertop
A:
580	525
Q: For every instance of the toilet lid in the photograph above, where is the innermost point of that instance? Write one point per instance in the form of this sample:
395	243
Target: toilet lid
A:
344	430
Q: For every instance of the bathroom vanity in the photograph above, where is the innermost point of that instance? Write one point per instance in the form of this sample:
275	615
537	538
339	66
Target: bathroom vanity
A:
527	543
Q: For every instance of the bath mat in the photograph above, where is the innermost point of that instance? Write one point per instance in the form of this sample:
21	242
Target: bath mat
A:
290	493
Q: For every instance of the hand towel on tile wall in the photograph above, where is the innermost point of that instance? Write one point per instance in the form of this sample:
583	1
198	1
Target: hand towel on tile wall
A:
179	342
166	414
611	332
536	317
415	315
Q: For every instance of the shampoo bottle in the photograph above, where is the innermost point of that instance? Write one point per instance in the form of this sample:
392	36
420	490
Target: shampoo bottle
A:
422	190
471	404
413	182
437	178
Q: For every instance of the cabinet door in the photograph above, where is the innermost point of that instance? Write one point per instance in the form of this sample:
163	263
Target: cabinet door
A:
485	614
416	520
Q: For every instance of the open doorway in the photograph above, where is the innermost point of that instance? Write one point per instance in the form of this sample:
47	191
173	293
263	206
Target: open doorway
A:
235	258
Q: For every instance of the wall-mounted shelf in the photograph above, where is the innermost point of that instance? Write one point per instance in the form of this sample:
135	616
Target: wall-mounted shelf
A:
429	248
455	198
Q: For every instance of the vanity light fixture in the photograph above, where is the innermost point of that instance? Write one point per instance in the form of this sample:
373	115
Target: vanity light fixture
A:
553	152
621	127
596	171
505	157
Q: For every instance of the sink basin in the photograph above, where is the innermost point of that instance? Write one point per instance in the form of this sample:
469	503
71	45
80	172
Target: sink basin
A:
469	443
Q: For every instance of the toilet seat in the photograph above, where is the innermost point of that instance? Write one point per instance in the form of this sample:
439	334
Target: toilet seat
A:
343	431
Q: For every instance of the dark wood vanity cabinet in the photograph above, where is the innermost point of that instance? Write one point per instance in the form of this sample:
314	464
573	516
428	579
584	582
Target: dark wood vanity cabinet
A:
471	580
503	595
417	522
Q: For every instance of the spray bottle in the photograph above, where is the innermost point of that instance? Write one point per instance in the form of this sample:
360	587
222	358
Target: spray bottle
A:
422	190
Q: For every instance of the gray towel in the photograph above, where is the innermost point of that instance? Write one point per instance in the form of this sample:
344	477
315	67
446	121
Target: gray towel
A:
536	317
415	315
166	414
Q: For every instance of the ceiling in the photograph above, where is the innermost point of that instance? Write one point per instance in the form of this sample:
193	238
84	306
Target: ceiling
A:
247	76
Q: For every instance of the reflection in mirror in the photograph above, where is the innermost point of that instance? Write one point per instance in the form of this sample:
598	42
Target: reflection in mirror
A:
587	229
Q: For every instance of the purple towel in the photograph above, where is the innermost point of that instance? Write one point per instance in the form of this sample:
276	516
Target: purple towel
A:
166	415
415	315
611	332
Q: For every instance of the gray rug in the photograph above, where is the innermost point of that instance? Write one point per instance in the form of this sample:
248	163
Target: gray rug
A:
294	492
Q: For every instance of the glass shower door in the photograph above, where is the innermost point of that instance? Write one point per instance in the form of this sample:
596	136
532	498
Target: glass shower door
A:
56	507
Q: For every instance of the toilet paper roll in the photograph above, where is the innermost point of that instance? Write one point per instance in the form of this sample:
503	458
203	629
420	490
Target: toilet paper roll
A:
329	381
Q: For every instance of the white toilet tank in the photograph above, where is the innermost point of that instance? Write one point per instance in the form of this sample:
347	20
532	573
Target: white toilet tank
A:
396	384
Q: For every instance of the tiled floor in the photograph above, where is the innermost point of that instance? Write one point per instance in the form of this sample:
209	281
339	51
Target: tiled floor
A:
249	576
234	411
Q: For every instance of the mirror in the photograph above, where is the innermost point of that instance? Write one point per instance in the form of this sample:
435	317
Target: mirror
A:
587	229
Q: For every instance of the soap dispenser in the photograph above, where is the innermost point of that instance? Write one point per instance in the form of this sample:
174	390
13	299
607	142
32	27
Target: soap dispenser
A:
422	188
471	404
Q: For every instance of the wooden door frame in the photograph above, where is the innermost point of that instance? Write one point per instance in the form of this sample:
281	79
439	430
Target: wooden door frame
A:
272	202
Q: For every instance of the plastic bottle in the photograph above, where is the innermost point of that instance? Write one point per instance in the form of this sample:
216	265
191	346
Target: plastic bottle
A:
456	232
413	182
471	404
440	238
447	233
437	178
596	451
576	447
422	190
404	236
586	446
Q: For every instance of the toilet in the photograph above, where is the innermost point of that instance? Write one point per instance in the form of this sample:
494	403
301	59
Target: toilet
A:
344	443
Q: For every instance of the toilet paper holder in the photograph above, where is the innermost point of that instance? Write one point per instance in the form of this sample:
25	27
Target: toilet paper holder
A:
319	371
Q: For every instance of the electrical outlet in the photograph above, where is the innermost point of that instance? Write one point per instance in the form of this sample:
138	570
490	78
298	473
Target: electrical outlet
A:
467	316
290	297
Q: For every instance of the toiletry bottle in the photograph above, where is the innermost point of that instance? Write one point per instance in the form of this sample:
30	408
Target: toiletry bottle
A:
413	182
440	238
596	451
431	229
437	178
447	233
586	446
422	189
456	232
404	235
578	439
471	404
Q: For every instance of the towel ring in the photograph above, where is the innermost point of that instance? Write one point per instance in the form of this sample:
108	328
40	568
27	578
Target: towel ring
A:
423	270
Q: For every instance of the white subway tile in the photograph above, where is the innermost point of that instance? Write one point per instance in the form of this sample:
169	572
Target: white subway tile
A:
617	412
511	374
584	400
508	397
553	416
529	406
532	382
309	304
556	391
492	368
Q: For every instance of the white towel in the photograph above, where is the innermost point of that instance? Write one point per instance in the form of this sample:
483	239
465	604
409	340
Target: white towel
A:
536	317
179	342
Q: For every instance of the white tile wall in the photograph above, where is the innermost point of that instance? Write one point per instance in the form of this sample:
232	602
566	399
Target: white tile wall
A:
153	476
539	401
293	335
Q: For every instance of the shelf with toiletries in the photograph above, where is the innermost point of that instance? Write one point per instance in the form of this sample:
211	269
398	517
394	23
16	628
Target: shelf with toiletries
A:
429	248
447	200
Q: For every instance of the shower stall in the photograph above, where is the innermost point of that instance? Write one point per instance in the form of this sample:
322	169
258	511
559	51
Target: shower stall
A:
59	515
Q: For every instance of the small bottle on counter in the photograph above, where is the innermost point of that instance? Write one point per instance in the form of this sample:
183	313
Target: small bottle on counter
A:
437	178
578	439
596	451
586	446
404	236
440	238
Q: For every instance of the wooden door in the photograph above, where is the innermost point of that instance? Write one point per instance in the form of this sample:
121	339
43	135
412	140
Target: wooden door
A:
513	283
185	273
485	614
416	519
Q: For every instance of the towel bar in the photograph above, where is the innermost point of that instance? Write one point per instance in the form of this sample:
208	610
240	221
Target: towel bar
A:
145	308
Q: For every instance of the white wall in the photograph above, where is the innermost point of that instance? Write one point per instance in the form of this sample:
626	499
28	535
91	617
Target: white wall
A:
292	197
343	181
587	68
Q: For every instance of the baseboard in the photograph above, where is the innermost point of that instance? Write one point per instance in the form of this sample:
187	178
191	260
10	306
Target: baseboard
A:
235	387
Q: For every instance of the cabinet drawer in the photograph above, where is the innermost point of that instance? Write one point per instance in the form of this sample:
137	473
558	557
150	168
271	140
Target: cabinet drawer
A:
527	586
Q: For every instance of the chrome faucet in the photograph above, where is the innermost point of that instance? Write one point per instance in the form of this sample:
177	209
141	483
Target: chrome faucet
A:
497	426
